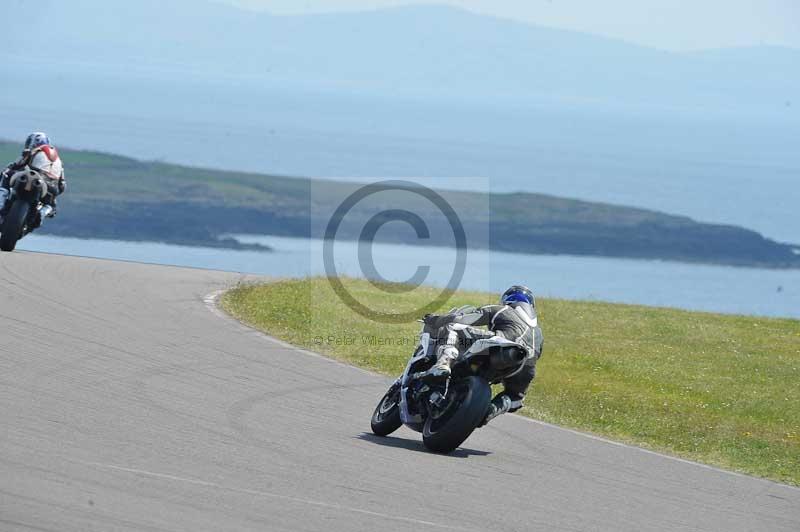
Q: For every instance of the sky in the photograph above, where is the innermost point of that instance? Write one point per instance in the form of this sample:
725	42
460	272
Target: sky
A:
667	24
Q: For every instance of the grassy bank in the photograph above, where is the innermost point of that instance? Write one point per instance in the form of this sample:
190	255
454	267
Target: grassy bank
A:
723	390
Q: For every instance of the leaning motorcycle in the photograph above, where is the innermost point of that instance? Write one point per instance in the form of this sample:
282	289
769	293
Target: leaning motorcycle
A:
24	210
447	411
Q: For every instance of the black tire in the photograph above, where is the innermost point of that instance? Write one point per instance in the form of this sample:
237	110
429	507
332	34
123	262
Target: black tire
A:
14	223
444	433
386	417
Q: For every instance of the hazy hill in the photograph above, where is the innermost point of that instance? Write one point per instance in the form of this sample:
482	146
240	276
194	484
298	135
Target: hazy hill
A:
708	134
419	50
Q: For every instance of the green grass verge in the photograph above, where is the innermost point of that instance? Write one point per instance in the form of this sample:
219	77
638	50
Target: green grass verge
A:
723	390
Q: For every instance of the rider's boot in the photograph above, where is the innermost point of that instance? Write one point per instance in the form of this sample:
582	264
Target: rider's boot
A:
48	211
49	207
442	367
501	404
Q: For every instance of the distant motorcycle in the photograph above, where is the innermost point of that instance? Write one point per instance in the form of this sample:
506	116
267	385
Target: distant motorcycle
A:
447	411
25	210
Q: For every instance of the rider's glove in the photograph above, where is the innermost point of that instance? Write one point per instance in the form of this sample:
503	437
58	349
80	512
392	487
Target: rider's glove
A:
432	320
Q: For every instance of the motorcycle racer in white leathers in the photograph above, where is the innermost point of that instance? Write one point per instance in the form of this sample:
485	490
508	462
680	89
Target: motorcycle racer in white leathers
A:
513	319
40	155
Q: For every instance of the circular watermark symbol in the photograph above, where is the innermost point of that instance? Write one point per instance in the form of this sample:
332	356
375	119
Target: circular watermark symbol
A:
366	259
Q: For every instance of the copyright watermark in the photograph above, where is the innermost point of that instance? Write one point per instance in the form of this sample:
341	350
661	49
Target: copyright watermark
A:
364	340
399	235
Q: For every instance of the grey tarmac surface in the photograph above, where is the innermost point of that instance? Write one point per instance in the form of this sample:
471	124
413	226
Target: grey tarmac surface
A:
129	404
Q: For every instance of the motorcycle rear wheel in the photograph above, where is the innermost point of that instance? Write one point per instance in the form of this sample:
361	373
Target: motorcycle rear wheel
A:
13	224
446	429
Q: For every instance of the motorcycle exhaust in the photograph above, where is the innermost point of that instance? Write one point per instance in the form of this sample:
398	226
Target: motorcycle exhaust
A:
506	357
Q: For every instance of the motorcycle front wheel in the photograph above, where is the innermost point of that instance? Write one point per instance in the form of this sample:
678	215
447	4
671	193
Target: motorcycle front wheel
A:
449	425
386	417
14	223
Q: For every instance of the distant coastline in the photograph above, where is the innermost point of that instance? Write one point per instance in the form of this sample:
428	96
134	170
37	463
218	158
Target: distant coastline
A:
114	197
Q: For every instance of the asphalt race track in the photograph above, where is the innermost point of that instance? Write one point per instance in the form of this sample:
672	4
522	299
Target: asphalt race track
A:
129	403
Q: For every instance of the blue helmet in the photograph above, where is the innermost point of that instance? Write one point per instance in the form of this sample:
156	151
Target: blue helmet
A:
518	294
36	139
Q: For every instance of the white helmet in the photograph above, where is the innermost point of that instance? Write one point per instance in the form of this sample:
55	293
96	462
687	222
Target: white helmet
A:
36	139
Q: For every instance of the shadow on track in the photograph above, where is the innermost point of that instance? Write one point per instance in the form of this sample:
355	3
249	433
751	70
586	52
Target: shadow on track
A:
416	445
